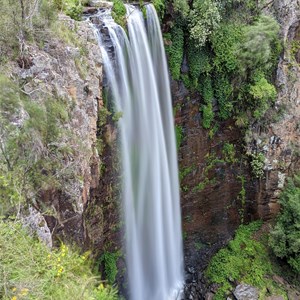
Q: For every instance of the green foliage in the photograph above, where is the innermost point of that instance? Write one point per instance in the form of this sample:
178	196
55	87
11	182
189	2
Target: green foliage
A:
285	236
257	164
263	94
223	93
206	89
109	260
119	13
72	8
203	19
295	48
228	152
231	52
159	7
179	135
255	49
175	51
211	161
181	7
29	270
213	131
35	147
68	35
242	197
117	116
22	22
244	260
208	115
184	172
225	40
201	185
10	194
199	61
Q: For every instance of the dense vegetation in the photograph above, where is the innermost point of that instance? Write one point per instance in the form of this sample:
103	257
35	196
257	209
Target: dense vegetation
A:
231	50
29	270
37	150
245	259
35	146
285	237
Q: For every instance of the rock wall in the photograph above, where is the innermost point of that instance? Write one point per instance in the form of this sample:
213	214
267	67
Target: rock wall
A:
218	194
217	191
279	141
71	71
84	210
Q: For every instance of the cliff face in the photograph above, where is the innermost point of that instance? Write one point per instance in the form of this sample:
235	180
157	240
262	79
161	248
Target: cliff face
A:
218	192
83	209
279	142
217	188
58	68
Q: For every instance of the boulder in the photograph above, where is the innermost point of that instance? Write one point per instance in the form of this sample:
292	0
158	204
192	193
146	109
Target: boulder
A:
246	292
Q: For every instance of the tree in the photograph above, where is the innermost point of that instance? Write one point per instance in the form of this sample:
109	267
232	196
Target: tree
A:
255	49
204	18
22	20
285	236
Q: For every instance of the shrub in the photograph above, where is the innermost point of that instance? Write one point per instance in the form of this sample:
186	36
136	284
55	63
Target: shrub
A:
225	39
202	57
181	7
244	260
175	51
119	13
257	164
223	92
203	19
109	259
285	236
22	21
206	89
199	62
228	152
208	116
263	93
36	148
29	270
159	7
179	135
255	49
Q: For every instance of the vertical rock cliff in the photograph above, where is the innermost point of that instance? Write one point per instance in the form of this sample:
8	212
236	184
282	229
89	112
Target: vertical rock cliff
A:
68	66
218	192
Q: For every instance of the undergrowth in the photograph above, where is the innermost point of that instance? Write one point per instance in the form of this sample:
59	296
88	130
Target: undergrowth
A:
29	270
244	260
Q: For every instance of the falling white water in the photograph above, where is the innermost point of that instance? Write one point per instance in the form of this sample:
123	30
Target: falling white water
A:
138	78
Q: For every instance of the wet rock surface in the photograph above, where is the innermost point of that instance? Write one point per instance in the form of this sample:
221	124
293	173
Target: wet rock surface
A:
211	202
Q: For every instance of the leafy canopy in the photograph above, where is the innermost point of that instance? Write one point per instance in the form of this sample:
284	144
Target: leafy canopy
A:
285	237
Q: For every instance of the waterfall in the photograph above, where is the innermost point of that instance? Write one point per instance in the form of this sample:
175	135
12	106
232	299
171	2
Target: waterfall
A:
137	75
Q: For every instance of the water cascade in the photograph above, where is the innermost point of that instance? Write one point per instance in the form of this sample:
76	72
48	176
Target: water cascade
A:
137	74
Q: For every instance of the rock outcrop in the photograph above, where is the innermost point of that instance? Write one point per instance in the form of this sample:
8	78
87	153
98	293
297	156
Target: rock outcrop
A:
280	140
71	71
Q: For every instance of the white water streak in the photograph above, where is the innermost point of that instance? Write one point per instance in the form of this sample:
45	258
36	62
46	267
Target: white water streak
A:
138	78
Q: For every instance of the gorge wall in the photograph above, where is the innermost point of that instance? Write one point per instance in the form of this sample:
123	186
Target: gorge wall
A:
218	189
218	192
